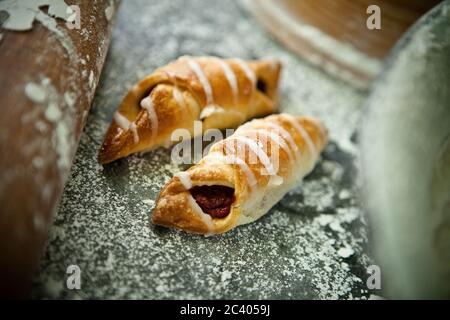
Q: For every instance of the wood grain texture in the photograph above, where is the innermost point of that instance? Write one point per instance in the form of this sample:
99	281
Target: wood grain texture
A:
38	139
345	22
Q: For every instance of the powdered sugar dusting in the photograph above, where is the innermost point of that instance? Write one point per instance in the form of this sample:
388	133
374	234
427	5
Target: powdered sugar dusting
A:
104	225
35	92
109	11
58	114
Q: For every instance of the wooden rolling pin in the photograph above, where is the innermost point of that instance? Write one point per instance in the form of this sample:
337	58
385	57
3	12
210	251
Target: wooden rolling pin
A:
333	34
51	56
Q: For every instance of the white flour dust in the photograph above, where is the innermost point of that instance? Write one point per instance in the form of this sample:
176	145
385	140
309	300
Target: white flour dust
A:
103	223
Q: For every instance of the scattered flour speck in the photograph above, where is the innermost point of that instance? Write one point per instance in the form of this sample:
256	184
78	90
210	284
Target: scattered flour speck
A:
290	252
345	252
35	92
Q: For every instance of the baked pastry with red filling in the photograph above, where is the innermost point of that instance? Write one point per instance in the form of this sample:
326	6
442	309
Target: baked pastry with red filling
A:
221	93
242	176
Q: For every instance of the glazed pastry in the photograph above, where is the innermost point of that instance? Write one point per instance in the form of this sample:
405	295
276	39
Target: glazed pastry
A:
242	176
221	93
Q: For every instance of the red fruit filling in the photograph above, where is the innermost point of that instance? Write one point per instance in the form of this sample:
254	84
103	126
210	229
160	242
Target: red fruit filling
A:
214	200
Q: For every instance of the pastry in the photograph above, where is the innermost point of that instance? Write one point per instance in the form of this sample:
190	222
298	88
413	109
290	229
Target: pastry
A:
221	93
242	176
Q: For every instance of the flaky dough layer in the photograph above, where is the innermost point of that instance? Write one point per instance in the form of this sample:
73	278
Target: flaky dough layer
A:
221	93
262	161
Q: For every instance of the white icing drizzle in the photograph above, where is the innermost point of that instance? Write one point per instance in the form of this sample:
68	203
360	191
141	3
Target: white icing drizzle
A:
178	96
213	109
210	110
275	181
248	72
147	104
275	138
197	69
206	218
262	156
231	77
133	129
245	126
311	147
231	159
126	125
185	179
286	136
121	121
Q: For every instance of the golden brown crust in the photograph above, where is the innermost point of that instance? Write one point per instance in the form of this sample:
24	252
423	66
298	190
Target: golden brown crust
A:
296	154
175	199
180	96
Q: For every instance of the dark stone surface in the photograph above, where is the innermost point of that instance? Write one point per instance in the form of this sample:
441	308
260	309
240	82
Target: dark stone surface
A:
313	244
